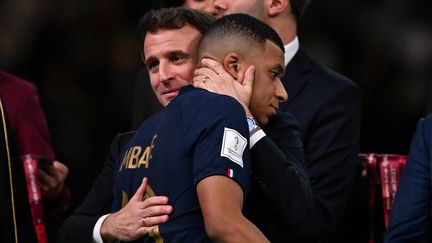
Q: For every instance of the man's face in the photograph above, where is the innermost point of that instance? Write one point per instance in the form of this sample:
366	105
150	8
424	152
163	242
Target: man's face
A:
207	6
268	90
254	8
171	58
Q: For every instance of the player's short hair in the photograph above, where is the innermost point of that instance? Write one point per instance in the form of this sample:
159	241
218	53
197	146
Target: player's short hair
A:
235	26
173	18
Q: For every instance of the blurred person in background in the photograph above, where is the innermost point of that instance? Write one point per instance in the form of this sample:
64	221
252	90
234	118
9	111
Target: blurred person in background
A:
16	224
29	127
411	214
327	106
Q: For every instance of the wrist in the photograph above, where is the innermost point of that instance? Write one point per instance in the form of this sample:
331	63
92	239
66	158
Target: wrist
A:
247	111
107	231
252	125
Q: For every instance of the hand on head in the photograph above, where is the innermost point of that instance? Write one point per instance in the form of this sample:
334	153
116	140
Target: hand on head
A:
137	218
213	77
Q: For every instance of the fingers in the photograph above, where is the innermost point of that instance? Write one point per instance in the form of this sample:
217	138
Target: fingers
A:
46	179
50	185
156	210
203	72
213	65
152	206
138	217
200	82
153	221
61	170
212	69
249	77
153	201
141	190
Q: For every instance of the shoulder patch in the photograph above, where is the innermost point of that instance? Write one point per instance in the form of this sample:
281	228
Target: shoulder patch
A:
233	146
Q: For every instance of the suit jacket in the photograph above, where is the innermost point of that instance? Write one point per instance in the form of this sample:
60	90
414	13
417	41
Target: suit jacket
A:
79	227
327	106
288	158
411	214
280	198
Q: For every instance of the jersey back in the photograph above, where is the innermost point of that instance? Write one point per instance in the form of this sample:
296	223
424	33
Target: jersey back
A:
199	134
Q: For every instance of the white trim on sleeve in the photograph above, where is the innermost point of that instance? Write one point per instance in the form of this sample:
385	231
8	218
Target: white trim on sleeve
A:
256	136
97	238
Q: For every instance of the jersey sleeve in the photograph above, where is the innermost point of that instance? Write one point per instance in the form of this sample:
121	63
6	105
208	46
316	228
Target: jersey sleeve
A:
221	136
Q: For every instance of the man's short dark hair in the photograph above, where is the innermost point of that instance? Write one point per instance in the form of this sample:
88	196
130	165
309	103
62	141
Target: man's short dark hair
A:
173	18
298	7
243	25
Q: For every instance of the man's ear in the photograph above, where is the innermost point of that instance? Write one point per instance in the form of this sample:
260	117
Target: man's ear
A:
232	64
276	7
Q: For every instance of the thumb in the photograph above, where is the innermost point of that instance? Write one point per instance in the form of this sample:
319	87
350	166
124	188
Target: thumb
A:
61	168
249	77
141	190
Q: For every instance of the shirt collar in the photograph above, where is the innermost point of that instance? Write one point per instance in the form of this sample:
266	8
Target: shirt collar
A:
291	49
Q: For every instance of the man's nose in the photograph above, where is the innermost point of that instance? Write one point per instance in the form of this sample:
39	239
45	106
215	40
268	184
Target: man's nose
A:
213	10
280	92
221	7
165	72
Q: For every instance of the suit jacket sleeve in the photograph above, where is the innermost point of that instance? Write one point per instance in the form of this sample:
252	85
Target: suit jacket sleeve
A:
278	167
410	219
79	227
331	152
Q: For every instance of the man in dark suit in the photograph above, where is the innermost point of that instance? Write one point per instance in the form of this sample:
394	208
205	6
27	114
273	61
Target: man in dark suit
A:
288	159
411	216
327	106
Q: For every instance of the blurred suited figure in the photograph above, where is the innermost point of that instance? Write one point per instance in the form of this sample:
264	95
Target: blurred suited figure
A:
411	214
29	127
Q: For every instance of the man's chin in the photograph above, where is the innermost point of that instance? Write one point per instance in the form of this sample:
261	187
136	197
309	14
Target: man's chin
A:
167	98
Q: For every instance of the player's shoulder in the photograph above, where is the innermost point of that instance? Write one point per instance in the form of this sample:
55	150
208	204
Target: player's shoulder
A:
191	98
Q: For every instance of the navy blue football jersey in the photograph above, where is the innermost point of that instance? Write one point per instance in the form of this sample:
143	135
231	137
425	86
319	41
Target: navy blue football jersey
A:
199	134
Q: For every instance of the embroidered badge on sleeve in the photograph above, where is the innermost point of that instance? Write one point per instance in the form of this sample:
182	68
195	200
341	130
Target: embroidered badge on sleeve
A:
233	146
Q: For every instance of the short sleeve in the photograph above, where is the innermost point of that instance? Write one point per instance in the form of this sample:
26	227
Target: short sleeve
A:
221	136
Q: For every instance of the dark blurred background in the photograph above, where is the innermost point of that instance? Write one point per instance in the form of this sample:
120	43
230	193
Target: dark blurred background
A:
84	56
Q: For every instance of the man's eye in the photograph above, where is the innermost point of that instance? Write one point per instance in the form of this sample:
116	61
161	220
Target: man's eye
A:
273	74
178	58
152	65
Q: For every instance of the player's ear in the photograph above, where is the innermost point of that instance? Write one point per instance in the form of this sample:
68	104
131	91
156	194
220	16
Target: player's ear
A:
232	64
276	7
